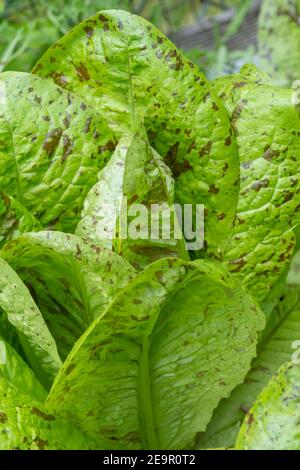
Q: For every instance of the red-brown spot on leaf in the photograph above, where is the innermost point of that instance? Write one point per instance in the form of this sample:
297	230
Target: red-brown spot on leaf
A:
228	141
82	72
205	150
51	141
89	31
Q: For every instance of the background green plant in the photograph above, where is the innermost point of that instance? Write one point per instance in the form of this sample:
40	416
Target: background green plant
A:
29	27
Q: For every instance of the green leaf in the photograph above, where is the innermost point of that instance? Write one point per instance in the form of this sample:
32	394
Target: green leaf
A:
297	235
52	145
150	371
266	124
134	175
278	40
293	278
71	281
21	311
25	423
8	331
251	73
133	73
273	423
275	349
115	272
14	219
17	377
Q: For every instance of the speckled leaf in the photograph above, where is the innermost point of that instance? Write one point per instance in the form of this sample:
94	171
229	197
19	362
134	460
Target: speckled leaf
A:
133	72
267	126
72	282
115	272
273	423
25	424
14	219
274	350
37	342
52	145
279	39
135	174
252	73
151	370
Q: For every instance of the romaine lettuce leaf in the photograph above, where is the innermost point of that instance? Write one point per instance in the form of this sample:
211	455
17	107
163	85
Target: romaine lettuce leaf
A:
52	145
133	73
21	311
274	350
16	376
150	371
14	219
135	174
267	126
71	281
115	272
25	422
273	423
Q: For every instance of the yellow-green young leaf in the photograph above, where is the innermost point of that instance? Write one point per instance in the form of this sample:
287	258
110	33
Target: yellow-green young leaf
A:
278	40
52	145
133	73
273	423
276	347
14	219
25	423
21	311
71	281
135	175
150	371
267	126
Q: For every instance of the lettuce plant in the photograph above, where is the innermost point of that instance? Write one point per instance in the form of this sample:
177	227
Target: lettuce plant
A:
110	342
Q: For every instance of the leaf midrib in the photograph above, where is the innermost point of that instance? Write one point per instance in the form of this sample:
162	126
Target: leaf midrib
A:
149	436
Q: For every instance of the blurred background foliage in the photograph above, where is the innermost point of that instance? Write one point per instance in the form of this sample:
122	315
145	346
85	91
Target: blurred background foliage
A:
279	40
29	27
